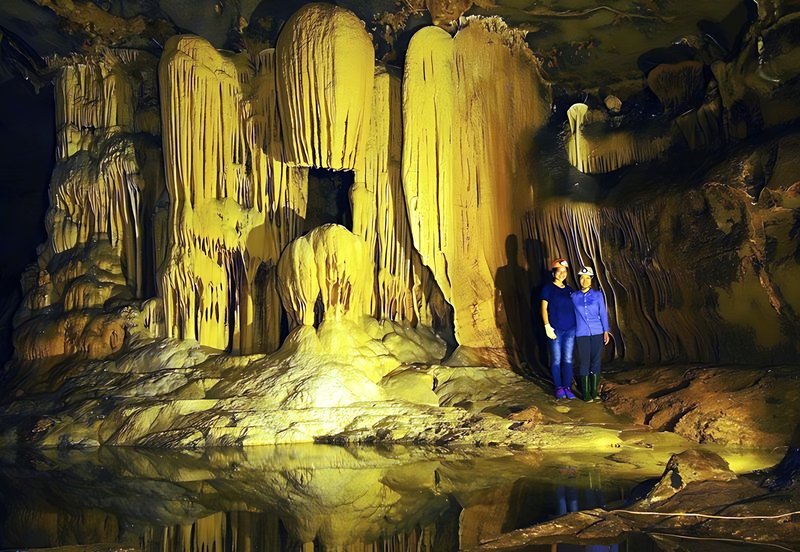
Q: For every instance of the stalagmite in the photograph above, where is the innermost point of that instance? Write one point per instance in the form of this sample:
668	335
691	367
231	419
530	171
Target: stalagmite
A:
466	159
325	62
332	265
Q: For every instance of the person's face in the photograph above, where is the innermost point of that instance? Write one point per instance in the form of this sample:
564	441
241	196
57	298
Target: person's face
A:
585	281
561	273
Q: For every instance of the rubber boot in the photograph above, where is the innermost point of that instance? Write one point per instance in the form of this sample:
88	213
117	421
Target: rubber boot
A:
586	391
595	384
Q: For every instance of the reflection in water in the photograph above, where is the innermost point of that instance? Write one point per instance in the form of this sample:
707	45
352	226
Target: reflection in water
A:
299	498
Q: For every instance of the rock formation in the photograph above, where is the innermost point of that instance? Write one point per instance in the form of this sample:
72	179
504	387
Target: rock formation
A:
183	263
468	182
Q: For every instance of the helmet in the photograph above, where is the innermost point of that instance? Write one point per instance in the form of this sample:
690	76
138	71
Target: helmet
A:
558	263
586	271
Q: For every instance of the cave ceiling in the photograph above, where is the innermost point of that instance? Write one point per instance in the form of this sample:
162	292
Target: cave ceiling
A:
584	45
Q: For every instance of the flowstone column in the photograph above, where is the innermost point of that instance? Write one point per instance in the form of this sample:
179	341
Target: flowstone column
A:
234	203
83	295
468	171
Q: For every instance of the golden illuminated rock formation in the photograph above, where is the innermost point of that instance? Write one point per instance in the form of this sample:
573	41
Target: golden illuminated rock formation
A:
594	148
577	146
325	63
108	180
467	171
98	256
234	204
330	263
380	216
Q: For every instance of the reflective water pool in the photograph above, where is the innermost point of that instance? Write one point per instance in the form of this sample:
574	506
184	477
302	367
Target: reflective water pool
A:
316	497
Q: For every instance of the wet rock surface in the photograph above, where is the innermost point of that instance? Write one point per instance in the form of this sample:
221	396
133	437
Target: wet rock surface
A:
234	401
737	406
697	497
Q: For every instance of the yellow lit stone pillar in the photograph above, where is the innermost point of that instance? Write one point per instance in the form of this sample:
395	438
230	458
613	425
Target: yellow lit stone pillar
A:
325	62
234	203
471	106
379	207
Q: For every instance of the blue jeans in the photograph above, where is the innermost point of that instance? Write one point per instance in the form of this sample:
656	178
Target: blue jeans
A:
561	357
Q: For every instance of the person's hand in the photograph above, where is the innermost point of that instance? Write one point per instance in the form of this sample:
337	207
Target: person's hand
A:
606	338
548	329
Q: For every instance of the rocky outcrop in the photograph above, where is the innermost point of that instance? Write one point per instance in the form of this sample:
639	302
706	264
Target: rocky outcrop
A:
727	406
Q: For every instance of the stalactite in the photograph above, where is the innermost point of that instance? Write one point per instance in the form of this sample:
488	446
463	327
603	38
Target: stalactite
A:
702	127
107	181
428	126
467	147
676	85
325	66
98	194
576	146
102	193
593	148
234	203
379	208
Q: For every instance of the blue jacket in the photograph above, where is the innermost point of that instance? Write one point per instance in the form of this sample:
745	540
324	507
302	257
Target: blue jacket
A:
591	316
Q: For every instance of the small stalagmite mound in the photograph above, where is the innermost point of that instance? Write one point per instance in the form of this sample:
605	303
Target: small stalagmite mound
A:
329	263
325	73
688	467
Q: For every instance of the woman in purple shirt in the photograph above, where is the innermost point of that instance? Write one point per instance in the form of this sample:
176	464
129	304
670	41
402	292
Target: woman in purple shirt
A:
591	333
559	325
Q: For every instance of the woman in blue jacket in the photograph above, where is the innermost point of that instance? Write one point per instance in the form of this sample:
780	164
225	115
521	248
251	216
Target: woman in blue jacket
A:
591	333
559	325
